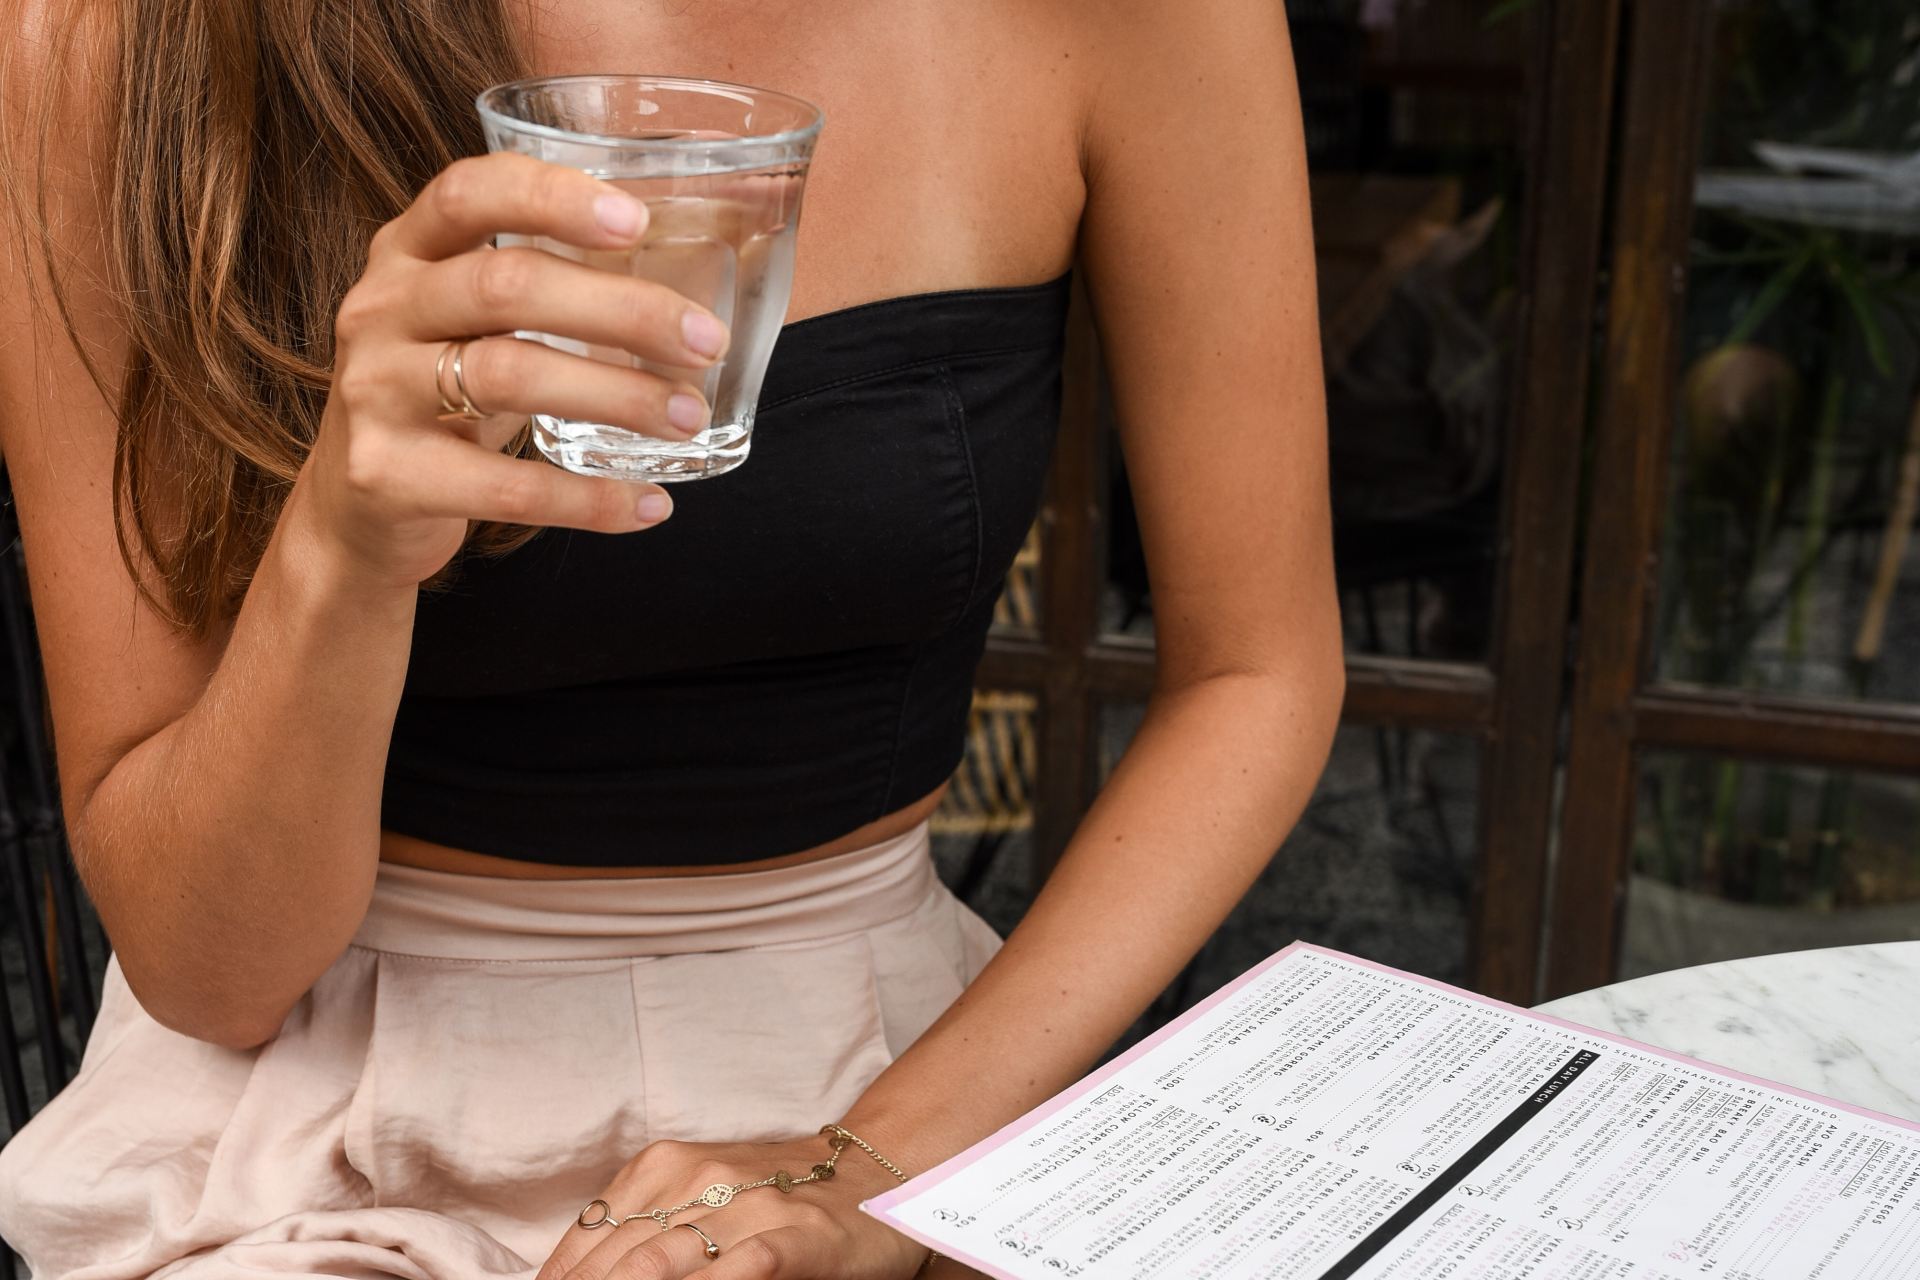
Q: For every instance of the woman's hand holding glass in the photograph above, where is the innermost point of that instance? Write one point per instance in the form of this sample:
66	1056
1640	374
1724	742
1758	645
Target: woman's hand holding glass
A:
393	485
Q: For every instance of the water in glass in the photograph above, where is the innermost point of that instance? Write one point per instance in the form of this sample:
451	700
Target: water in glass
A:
725	241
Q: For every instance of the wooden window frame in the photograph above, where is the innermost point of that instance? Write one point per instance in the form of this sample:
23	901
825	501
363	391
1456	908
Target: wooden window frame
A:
1618	711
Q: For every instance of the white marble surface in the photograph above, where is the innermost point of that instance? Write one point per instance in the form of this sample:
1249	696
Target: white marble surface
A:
1841	1021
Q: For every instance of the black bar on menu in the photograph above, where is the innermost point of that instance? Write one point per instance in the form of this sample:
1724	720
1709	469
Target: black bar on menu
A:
1445	1180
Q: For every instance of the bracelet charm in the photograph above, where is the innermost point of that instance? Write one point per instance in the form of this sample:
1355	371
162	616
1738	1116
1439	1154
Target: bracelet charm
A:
598	1213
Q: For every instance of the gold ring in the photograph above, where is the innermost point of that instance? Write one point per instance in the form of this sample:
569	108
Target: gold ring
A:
606	1218
713	1250
466	410
460	381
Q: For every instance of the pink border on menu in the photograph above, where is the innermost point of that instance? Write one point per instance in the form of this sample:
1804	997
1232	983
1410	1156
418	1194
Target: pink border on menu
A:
881	1206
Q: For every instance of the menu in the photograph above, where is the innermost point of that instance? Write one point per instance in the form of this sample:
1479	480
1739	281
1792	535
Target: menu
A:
1325	1118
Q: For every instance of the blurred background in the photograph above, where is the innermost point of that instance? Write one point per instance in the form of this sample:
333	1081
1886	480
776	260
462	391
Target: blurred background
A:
1620	302
1621	310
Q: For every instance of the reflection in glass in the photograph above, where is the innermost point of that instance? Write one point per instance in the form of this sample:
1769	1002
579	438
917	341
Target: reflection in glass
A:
1738	858
1796	463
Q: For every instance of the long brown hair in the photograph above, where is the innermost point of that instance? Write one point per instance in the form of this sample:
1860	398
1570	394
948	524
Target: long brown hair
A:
255	146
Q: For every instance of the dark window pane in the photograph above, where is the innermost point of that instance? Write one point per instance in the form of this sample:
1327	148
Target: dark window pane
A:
1796	462
1738	858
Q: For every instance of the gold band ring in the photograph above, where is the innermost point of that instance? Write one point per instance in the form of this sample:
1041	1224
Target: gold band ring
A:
713	1250
605	1216
466	410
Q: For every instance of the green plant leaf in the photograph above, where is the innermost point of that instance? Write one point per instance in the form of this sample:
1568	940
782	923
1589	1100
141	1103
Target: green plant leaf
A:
1906	314
1504	10
1789	238
1703	257
1771	295
1854	290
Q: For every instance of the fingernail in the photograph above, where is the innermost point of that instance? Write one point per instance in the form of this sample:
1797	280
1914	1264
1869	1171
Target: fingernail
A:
704	335
653	507
685	411
622	215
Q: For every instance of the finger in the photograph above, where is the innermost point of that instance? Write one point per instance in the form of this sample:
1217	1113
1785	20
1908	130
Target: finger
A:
591	1254
510	378
664	1255
783	1253
436	474
584	1250
525	288
476	197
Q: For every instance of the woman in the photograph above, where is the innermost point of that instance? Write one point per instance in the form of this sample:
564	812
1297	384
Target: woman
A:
597	869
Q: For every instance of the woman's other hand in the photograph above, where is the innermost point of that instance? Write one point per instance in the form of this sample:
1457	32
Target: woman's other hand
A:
816	1231
389	488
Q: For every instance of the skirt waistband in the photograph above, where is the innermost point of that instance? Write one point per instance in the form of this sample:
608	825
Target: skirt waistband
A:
448	915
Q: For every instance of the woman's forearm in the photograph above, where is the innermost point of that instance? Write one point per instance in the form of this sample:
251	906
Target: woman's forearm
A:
1217	774
232	853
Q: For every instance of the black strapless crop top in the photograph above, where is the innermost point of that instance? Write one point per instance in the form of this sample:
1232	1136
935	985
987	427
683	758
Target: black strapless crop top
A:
788	657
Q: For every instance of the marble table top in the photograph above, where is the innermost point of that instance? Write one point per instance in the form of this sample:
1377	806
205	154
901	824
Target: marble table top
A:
1841	1021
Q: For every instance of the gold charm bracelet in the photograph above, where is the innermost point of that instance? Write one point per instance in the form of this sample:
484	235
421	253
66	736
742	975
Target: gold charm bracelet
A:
839	1140
720	1193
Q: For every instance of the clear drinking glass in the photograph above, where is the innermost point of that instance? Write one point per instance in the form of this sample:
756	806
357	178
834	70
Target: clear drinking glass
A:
721	168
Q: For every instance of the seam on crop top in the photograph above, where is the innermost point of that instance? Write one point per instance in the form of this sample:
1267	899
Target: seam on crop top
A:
886	805
769	405
957	421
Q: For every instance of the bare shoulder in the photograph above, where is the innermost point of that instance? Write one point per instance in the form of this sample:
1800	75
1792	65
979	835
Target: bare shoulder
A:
1191	127
1224	64
115	670
33	29
1194	153
56	95
1198	212
56	56
58	67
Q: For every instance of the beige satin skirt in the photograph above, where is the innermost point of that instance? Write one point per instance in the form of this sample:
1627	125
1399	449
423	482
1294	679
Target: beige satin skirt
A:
479	1063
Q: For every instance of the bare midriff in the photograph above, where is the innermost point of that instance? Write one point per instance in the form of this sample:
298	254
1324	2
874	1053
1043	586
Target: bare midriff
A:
409	851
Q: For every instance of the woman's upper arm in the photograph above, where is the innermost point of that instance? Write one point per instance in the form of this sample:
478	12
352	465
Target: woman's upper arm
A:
116	672
1198	250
